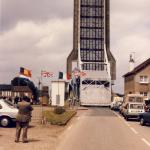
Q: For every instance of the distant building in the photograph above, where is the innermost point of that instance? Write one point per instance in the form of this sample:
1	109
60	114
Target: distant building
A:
117	97
5	90
137	81
44	95
13	91
21	91
45	91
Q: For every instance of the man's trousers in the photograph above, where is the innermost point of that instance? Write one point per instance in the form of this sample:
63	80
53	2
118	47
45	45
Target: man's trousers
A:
19	127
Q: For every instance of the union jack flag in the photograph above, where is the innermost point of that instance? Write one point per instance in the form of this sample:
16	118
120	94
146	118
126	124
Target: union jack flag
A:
46	74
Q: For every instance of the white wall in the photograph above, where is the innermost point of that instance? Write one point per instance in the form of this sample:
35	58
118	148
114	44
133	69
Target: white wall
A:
58	88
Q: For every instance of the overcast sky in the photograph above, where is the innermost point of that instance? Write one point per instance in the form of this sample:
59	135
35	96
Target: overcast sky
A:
37	34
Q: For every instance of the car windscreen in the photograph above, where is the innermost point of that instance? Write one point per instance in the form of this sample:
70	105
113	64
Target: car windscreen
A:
136	106
136	99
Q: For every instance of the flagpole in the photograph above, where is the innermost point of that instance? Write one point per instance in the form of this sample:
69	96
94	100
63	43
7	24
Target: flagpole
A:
42	98
50	91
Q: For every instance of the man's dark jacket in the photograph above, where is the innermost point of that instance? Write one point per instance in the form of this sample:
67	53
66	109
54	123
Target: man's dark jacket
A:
24	114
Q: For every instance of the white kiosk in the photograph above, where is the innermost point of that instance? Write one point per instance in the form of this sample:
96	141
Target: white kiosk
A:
58	92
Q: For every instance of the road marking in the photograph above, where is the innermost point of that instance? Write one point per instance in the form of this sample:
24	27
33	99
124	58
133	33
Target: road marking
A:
146	142
78	118
127	124
117	115
69	127
134	130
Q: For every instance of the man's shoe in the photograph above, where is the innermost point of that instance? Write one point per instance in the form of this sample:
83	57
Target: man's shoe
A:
25	141
16	141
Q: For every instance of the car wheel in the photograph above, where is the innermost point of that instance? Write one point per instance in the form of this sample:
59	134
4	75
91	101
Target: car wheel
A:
126	117
142	122
4	121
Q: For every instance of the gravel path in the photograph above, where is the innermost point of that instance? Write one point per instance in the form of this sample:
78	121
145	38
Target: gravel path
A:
41	137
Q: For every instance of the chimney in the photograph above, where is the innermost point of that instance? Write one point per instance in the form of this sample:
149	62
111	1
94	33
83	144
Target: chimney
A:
131	63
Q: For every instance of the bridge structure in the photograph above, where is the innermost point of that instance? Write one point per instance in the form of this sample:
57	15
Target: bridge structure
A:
91	51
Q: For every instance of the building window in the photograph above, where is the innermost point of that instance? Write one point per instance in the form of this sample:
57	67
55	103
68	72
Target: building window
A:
144	79
26	94
145	94
15	94
92	34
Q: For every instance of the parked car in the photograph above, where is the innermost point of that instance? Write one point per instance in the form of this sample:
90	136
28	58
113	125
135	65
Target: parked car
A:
147	104
115	105
121	108
144	118
112	105
133	110
8	113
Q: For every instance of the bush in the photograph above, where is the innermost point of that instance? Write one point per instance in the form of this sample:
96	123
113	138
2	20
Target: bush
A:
58	119
59	110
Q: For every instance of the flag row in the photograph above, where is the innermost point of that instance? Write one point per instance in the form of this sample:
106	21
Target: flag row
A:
66	76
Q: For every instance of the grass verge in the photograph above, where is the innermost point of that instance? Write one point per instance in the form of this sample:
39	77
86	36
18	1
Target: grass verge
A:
58	119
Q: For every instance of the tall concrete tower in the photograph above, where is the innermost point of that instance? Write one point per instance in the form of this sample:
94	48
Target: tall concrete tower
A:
91	48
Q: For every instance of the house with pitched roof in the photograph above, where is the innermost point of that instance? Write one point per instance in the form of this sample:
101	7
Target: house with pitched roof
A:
137	81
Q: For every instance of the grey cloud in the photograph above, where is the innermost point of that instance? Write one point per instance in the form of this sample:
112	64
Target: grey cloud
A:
35	47
40	35
13	11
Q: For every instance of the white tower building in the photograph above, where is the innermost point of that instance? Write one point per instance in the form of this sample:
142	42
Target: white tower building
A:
91	50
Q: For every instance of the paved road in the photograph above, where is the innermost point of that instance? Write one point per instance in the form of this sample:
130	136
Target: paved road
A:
102	129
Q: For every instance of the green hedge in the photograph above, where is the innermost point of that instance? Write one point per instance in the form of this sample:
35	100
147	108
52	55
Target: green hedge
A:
58	119
59	110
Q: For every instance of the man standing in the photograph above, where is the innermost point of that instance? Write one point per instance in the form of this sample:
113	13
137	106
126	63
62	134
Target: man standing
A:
23	119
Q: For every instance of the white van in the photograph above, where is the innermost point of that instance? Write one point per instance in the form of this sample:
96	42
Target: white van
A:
133	106
133	109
